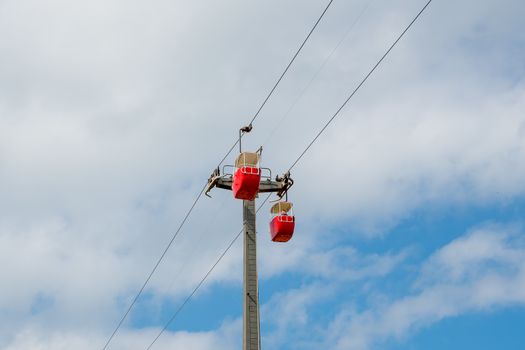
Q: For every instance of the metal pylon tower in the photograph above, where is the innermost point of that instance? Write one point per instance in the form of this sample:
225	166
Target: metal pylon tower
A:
251	316
251	321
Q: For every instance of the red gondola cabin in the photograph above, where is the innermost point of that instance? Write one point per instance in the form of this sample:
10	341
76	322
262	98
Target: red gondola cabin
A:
247	176
282	224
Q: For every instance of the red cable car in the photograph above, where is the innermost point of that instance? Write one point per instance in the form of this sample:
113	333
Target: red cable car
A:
283	222
247	176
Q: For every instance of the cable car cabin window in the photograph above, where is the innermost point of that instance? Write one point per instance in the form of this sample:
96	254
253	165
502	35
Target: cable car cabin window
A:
282	224
247	176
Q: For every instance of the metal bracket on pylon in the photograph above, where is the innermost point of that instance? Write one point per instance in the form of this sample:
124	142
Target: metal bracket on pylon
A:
212	181
243	131
287	182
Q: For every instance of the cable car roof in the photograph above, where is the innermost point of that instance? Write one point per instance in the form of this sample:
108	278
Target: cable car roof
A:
281	207
247	159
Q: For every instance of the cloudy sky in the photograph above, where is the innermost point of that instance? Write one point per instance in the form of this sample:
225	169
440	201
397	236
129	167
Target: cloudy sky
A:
410	208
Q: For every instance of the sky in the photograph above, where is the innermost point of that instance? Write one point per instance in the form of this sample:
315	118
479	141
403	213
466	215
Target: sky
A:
410	207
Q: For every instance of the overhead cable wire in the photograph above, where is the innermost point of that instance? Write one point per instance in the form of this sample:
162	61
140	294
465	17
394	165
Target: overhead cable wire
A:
293	164
188	298
291	61
159	260
203	189
199	236
359	85
280	77
321	67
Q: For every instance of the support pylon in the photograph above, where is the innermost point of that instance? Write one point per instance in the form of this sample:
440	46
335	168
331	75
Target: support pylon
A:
281	184
251	326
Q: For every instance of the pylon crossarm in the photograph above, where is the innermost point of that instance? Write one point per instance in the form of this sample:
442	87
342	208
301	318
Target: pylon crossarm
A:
266	186
287	183
280	185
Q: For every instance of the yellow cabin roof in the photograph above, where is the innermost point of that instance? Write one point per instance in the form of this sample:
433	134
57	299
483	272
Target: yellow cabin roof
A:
280	207
247	159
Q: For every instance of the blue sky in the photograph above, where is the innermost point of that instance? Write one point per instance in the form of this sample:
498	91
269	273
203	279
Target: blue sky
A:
424	233
410	231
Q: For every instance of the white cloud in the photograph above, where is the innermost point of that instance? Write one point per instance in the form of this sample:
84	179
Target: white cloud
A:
332	261
225	337
289	313
478	272
113	113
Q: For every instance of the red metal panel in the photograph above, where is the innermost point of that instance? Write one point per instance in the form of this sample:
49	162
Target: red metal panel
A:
282	227
246	182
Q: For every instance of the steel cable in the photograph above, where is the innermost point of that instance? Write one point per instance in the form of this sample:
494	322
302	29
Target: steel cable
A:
128	310
188	298
291	167
359	86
